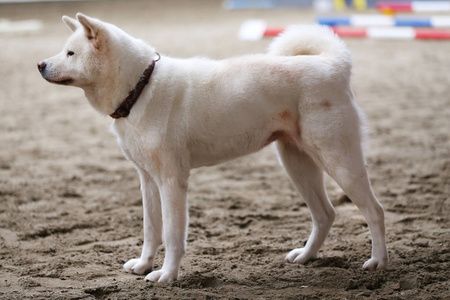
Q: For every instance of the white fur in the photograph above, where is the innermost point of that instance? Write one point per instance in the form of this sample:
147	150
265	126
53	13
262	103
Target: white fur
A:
198	112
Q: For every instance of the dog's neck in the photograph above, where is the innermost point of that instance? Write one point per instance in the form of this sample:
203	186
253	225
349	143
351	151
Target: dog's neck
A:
124	108
107	96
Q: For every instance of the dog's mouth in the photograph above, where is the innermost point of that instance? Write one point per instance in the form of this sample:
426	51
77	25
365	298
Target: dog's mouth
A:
67	81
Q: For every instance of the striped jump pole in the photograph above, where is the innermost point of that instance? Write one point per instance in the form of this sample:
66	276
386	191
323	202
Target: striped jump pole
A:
253	30
393	33
413	6
382	20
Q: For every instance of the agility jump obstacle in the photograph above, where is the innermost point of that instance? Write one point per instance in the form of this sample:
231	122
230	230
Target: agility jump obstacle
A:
318	4
384	6
413	6
253	30
405	33
381	20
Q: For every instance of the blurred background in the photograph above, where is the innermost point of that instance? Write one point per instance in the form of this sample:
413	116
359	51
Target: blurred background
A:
70	206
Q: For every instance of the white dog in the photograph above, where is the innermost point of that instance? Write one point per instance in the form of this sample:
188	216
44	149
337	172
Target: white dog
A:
200	112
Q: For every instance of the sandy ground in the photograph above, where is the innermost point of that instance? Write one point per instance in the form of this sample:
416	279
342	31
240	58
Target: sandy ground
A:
70	206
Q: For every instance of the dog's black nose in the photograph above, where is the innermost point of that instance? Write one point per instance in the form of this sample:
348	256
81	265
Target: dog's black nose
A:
41	66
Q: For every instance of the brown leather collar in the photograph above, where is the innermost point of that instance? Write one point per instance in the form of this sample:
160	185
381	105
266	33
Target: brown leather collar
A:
124	109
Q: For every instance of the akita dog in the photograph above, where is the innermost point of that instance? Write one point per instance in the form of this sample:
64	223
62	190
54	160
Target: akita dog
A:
172	115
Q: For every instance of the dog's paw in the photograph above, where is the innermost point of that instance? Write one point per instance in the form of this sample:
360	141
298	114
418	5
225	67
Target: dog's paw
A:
300	256
375	264
162	276
138	266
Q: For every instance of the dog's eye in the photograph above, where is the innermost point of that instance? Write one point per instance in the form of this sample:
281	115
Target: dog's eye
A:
70	53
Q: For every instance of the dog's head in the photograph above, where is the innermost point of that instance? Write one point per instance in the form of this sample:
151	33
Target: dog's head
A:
84	55
101	59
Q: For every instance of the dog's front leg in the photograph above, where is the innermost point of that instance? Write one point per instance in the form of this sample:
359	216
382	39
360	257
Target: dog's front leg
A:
175	222
152	226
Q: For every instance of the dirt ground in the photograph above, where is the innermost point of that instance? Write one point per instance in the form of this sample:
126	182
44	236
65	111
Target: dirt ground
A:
70	205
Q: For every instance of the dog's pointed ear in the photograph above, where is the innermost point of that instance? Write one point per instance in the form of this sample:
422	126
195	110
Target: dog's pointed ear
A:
71	23
93	29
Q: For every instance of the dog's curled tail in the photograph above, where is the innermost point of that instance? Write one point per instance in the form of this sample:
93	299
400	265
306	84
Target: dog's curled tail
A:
312	40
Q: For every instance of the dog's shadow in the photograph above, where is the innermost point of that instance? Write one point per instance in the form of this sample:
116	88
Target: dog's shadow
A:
278	274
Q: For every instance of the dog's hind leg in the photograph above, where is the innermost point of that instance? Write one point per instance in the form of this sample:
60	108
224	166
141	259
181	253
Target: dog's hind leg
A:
337	149
349	171
308	179
152	227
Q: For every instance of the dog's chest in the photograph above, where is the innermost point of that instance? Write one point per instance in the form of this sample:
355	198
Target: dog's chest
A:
136	146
